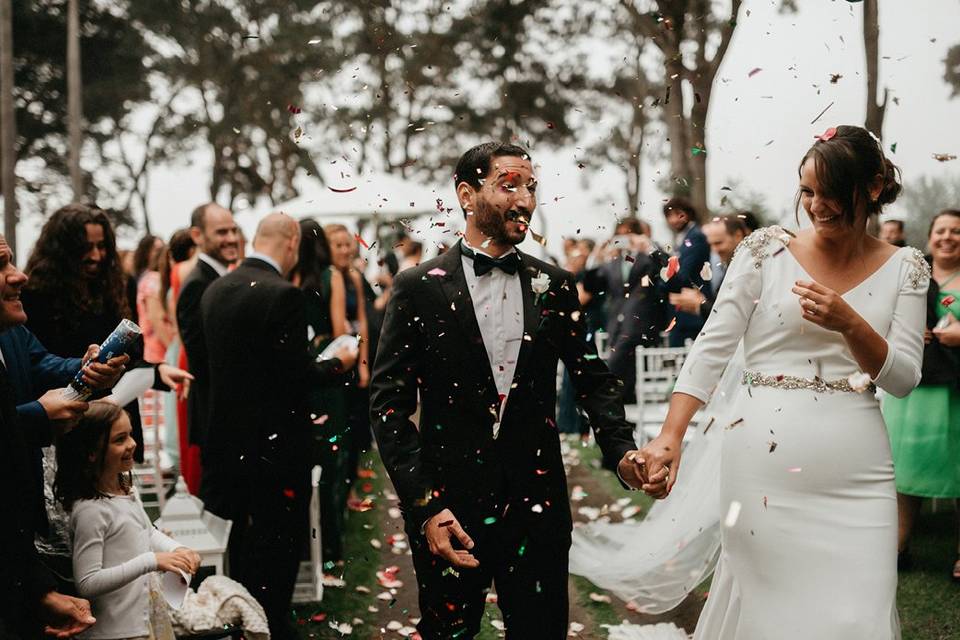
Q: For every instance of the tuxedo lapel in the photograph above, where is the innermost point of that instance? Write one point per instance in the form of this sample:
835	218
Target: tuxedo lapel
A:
531	313
453	283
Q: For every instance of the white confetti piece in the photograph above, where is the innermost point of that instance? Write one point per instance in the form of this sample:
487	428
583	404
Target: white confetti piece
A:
733	514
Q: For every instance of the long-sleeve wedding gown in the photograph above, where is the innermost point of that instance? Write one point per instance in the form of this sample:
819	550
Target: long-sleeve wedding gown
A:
806	478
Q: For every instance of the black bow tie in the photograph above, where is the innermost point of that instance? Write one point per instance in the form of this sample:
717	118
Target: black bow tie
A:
483	263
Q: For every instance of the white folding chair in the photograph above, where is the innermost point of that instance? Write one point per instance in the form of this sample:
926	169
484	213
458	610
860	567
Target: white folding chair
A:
309	585
149	475
657	371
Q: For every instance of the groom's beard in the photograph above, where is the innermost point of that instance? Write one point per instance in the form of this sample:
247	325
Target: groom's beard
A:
503	228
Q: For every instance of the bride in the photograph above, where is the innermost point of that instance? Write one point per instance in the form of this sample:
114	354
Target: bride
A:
807	499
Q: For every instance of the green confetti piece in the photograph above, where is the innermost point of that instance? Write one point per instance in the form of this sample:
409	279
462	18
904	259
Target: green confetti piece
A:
893	148
489	520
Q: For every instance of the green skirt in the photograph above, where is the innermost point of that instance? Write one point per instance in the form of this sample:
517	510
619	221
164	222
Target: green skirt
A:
924	433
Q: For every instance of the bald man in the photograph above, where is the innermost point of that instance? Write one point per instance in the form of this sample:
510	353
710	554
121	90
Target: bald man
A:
256	453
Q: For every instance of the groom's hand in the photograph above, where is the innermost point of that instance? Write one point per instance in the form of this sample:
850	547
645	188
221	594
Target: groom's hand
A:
439	529
631	470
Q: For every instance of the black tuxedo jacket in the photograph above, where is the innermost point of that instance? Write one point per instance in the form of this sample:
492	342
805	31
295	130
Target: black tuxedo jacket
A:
190	324
258	368
431	344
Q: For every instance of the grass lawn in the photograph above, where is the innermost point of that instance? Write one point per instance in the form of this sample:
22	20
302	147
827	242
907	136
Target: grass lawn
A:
343	605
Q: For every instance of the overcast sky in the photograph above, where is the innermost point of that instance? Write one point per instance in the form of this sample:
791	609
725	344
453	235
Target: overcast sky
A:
759	125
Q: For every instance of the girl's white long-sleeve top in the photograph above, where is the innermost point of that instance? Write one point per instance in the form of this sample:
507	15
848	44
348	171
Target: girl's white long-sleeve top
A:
114	546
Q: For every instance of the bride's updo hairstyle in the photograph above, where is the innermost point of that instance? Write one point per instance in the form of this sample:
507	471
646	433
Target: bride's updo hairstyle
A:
847	160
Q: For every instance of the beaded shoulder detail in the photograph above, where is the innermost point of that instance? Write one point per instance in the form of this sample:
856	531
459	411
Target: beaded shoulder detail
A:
920	274
764	242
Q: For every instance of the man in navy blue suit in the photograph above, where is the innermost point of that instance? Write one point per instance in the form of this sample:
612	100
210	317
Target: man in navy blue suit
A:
690	246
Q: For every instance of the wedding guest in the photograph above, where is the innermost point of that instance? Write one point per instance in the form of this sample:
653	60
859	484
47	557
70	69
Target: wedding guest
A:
155	323
344	250
177	261
635	306
326	314
806	480
892	231
691	249
216	237
74	296
117	552
924	427
569	418
723	235
260	428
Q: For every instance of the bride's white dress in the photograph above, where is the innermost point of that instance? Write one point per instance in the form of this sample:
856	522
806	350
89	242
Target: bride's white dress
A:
808	546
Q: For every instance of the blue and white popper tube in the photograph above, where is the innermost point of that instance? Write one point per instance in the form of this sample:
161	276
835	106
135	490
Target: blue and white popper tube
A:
117	343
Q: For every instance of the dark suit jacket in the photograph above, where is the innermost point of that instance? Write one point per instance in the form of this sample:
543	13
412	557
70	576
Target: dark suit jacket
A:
23	579
259	370
32	370
431	344
693	252
635	314
190	325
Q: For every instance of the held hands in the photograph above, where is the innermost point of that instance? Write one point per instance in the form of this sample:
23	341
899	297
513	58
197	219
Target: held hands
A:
439	530
660	459
65	616
102	375
824	307
180	559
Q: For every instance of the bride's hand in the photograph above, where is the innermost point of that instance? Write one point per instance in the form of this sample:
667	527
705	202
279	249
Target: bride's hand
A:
823	306
661	458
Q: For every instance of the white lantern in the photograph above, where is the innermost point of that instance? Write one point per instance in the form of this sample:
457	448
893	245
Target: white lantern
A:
185	520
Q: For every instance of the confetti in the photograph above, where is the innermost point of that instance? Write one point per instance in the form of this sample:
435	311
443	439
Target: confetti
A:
949	300
944	157
346	190
733	514
820	115
294	109
706	273
754	72
596	597
735	423
362	242
436	271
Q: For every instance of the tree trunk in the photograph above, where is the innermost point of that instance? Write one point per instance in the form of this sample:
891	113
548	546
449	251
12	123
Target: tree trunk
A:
74	98
871	36
677	126
8	127
697	139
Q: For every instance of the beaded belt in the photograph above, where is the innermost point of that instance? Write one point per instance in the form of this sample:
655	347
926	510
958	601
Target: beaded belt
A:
818	384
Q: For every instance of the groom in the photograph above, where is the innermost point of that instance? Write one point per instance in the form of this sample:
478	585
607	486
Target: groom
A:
476	333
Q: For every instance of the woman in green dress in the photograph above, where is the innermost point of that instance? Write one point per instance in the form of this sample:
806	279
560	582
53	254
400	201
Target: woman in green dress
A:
924	427
326	311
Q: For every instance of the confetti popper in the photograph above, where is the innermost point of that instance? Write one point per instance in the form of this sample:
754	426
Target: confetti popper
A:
117	344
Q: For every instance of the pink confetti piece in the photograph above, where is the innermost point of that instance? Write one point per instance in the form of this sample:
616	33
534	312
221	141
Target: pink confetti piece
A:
436	271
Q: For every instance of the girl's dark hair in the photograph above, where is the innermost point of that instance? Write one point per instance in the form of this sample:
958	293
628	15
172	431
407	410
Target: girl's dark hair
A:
77	476
846	165
314	254
946	212
54	266
141	256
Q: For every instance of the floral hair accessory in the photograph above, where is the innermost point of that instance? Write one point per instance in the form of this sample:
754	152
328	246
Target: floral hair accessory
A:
826	135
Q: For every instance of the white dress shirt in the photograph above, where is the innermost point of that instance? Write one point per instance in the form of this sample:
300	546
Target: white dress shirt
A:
498	304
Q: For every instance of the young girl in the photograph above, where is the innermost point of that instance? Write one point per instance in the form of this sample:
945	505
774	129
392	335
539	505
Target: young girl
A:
116	550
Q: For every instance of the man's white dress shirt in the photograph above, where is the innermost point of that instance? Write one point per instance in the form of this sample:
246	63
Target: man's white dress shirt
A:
498	304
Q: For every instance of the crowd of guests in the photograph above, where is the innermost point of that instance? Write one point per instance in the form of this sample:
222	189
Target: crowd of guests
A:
242	338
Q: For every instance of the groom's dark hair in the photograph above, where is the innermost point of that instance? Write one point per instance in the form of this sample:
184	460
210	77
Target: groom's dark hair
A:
474	165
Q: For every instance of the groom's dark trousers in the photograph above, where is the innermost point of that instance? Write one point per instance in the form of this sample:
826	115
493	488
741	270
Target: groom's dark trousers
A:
509	492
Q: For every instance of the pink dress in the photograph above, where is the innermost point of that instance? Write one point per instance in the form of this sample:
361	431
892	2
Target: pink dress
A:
154	350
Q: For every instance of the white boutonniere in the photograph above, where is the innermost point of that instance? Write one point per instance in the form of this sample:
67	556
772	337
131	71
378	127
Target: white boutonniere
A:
540	284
